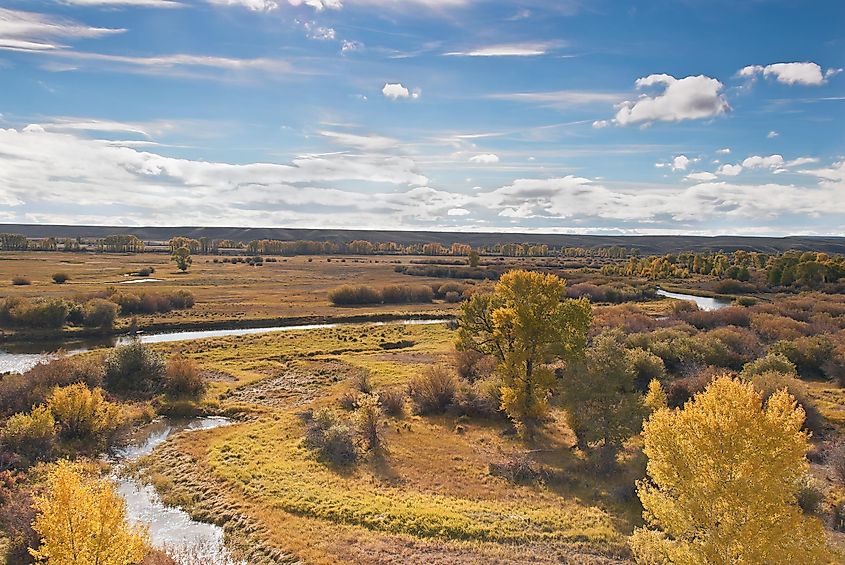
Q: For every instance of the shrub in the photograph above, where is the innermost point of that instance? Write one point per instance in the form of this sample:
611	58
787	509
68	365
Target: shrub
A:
647	367
83	413
129	303
451	287
681	390
51	313
453	297
773	362
16	518
134	368
433	391
21	392
473	365
183	379
480	399
348	295
393	402
333	439
809	354
368	420
361	382
773	327
836	460
709	319
60	278
31	435
21	281
728	347
810	495
181	299
348	400
145	272
99	313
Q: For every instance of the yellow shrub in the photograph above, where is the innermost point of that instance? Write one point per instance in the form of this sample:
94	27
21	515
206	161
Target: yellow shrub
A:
82	412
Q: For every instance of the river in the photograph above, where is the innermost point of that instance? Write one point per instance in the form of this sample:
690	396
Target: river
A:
703	302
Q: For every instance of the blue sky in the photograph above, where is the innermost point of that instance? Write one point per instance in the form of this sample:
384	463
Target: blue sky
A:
661	116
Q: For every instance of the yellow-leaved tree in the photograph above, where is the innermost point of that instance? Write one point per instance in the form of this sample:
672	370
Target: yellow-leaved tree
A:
723	475
82	521
525	323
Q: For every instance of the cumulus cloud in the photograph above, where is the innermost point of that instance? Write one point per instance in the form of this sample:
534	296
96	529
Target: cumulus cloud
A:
759	162
458	212
678	163
394	91
729	170
485	158
806	73
689	98
724	151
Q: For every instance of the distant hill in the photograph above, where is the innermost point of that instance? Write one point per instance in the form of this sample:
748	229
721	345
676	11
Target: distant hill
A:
646	244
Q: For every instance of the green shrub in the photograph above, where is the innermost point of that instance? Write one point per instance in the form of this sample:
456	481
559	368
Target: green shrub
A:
43	313
134	368
433	391
647	367
772	362
60	278
810	495
809	354
769	382
31	434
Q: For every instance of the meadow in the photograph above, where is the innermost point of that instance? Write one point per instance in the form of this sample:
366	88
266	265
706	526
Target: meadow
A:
451	480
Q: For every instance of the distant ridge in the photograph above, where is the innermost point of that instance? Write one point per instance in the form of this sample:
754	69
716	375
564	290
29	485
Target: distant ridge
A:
646	244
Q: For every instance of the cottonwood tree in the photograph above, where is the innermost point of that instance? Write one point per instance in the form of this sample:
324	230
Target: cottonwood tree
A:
723	476
82	520
599	393
182	257
525	323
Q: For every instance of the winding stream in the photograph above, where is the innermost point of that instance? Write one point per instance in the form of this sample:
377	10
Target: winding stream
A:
168	526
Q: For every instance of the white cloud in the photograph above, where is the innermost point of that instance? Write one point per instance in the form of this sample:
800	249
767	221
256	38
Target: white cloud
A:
365	142
729	170
485	158
561	98
724	151
701	177
680	163
528	49
599	124
319	32
127	3
347	46
254	5
806	73
772	134
458	212
689	98
758	162
31	31
394	91
801	161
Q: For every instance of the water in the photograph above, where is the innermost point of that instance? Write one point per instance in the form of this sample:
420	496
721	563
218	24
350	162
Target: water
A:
168	526
136	281
703	302
20	357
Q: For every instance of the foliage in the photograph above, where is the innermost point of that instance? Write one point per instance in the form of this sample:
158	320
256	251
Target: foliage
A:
723	476
60	278
41	313
472	365
769	382
81	521
392	402
809	354
84	413
523	323
16	517
349	295
21	280
647	367
134	368
432	391
655	398
182	378
182	257
99	313
31	435
21	392
602	404
772	362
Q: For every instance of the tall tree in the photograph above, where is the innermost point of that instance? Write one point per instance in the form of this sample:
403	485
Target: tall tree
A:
182	257
723	476
525	323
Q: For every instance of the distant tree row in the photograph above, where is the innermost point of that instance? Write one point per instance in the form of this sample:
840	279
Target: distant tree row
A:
806	269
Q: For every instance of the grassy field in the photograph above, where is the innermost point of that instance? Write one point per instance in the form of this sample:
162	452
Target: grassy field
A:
431	497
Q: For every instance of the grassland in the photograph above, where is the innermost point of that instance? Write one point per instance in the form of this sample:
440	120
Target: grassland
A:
430	498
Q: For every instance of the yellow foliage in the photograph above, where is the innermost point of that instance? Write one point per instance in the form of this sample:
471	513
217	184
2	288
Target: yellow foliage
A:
523	323
655	398
723	475
81	521
31	434
83	412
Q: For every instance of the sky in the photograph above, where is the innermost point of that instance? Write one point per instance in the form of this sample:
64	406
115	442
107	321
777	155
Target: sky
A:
612	117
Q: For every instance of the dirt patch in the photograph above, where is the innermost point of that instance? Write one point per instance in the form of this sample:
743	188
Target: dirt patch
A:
294	384
411	357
